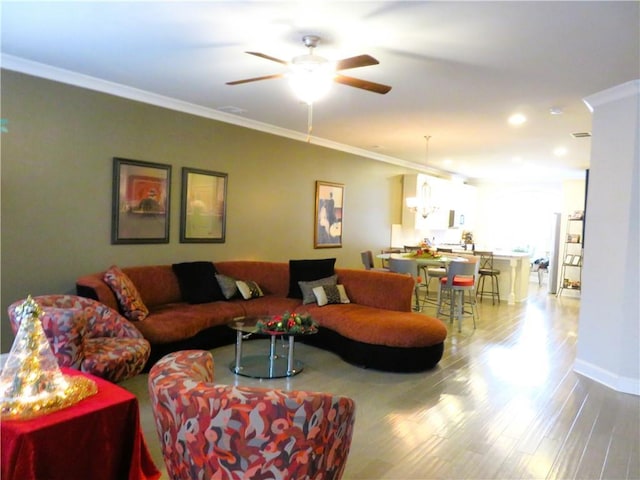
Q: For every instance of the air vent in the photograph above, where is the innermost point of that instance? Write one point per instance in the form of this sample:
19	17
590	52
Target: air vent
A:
581	134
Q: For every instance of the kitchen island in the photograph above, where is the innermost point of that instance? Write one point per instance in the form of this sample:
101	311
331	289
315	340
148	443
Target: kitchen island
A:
514	275
514	267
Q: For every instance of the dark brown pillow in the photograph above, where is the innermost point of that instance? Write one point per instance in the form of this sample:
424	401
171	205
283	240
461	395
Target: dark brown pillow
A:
307	270
198	282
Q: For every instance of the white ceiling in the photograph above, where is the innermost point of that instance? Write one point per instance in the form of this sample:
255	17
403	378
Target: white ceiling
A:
458	69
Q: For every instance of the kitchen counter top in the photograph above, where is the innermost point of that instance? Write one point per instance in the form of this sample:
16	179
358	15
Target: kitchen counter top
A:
514	266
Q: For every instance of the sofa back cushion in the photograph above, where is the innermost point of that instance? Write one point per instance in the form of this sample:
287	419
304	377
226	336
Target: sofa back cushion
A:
390	291
157	284
272	277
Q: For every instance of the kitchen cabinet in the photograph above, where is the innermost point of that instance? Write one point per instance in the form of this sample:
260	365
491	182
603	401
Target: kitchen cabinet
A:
441	204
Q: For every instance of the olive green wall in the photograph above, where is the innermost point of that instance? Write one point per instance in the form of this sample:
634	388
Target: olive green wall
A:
57	177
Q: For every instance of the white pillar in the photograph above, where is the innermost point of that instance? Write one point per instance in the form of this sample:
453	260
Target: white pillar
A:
609	329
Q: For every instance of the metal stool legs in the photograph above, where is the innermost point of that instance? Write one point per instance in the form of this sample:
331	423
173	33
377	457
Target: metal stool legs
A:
495	288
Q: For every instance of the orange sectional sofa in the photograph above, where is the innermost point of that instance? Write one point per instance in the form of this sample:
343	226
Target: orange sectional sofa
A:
377	329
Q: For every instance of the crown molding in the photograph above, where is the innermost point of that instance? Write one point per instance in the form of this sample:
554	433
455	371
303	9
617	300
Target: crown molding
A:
613	94
36	69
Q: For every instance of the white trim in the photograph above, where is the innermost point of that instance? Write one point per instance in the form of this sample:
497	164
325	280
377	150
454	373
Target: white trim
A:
612	94
611	380
42	70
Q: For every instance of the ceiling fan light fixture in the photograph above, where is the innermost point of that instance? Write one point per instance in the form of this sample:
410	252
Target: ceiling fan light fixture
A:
311	77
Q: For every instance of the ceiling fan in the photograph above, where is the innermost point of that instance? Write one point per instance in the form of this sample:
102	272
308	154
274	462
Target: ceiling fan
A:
311	74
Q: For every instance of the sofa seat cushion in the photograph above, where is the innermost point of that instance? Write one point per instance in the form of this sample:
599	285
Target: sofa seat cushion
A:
379	327
179	321
114	359
267	305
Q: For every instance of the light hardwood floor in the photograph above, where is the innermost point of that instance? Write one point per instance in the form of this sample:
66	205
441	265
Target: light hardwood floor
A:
503	403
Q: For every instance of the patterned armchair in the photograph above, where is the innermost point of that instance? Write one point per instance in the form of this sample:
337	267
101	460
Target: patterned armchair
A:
86	335
231	432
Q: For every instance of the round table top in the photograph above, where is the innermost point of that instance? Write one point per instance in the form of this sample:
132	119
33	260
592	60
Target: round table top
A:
249	325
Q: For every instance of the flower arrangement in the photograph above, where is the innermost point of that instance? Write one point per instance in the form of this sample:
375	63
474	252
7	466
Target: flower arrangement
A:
424	253
294	323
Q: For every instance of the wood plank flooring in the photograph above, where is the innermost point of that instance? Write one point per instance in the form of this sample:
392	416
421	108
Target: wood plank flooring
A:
504	403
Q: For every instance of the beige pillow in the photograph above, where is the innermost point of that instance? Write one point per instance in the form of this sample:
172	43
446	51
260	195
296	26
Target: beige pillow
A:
330	294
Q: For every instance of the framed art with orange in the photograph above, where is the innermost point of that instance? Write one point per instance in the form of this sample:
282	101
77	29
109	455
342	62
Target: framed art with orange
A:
140	202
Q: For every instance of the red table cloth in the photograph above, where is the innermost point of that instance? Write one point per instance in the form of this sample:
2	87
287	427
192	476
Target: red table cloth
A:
98	438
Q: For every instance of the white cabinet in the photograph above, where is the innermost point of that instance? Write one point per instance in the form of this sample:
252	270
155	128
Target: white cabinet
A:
464	205
436	198
431	211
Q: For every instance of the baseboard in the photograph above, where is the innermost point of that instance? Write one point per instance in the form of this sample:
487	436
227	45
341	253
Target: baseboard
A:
611	380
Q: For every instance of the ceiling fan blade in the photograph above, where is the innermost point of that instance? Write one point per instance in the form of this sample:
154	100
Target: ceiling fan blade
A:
255	79
268	57
363	84
355	62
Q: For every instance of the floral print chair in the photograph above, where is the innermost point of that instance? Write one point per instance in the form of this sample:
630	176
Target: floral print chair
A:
89	336
210	431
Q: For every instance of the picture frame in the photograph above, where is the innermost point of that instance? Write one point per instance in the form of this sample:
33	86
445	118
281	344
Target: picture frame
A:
141	199
573	238
329	215
577	215
203	206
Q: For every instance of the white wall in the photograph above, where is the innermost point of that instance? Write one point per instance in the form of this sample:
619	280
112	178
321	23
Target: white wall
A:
517	216
608	334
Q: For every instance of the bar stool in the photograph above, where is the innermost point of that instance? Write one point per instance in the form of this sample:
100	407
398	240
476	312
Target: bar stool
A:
407	267
367	261
461	278
487	270
430	272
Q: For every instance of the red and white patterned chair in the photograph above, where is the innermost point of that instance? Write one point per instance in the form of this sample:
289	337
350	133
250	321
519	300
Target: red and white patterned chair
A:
89	336
231	432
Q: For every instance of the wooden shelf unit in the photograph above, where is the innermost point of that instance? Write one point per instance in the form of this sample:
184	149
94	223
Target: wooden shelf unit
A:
572	255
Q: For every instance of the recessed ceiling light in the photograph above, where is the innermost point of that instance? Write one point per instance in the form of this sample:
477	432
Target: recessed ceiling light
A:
556	111
517	119
560	151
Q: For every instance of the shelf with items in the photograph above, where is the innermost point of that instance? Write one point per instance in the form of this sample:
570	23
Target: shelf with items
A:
571	273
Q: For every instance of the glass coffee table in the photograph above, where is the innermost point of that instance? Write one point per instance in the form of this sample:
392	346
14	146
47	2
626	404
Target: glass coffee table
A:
269	365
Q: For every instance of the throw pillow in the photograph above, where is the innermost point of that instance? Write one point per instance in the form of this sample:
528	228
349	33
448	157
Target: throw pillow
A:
227	285
129	298
197	282
249	289
328	294
307	288
307	270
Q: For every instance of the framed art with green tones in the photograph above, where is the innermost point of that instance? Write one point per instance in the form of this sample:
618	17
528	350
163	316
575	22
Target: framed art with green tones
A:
203	206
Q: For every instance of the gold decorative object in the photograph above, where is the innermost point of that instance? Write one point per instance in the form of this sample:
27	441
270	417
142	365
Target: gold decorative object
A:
31	382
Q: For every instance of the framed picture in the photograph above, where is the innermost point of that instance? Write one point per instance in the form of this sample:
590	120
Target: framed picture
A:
203	206
573	238
329	215
140	202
